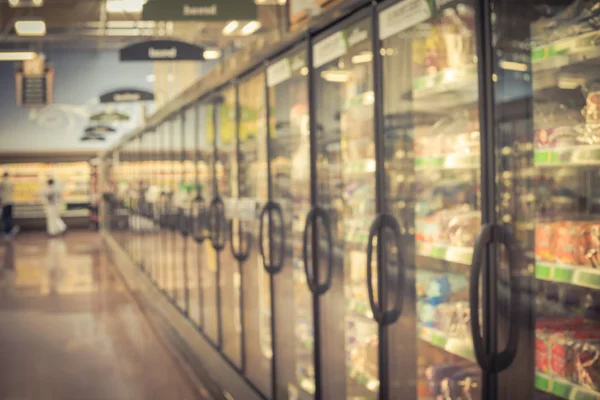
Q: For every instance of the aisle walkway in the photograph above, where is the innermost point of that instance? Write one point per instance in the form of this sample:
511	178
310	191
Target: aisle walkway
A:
70	330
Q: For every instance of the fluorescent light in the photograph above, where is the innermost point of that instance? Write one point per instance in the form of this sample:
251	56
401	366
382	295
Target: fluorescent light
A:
212	54
125	6
513	66
151	78
230	27
17	55
30	27
338	76
363	57
250	28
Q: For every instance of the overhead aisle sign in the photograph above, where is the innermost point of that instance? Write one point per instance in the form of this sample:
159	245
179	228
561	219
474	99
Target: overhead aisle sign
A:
126	96
162	50
199	10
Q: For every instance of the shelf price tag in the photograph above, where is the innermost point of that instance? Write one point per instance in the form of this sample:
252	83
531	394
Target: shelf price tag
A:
402	16
332	47
279	72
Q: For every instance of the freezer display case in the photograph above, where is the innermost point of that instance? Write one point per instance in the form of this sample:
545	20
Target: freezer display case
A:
230	269
179	280
345	188
191	208
289	158
207	171
549	160
253	194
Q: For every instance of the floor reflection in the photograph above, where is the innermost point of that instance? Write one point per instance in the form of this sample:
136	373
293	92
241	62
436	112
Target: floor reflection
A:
70	330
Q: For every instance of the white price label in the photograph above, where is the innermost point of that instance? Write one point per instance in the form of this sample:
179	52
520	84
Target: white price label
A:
402	16
279	72
328	49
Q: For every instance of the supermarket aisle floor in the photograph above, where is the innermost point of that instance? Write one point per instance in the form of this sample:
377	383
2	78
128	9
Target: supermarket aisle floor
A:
70	330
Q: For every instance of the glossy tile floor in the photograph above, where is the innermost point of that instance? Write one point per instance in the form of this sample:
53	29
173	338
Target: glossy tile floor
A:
70	330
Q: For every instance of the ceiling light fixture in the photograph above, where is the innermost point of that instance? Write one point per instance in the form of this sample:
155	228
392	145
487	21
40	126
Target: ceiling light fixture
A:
30	27
25	3
230	27
212	54
364	57
17	55
250	28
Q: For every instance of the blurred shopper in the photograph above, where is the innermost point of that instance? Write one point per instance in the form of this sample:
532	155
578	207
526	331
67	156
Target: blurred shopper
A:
54	223
6	200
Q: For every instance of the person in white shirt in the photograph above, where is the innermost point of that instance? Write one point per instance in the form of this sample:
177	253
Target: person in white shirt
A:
54	223
6	200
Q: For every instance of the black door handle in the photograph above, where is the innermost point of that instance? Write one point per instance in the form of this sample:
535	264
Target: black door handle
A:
198	219
483	239
494	362
505	358
272	267
313	282
386	317
216	211
241	255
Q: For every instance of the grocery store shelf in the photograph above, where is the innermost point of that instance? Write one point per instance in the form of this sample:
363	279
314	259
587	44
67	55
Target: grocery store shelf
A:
570	274
450	161
568	156
450	87
563	389
456	254
41	214
567	51
460	347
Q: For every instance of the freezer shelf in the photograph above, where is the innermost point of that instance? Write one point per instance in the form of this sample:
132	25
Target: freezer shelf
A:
563	389
455	254
569	274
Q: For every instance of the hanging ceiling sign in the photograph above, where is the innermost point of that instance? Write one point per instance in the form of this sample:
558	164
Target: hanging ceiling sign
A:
109	116
99	129
162	50
199	10
126	96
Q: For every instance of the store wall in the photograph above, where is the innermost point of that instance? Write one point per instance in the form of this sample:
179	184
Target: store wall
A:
80	78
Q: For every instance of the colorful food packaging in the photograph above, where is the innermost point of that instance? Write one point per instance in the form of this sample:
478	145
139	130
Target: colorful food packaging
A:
592	106
586	368
565	242
543	242
588	247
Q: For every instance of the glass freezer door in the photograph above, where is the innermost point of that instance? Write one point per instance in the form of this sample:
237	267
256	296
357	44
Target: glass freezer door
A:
431	152
252	195
289	156
208	255
548	159
229	274
346	191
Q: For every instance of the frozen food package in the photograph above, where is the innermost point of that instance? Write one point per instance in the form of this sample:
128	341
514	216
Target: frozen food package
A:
436	373
586	364
564	240
592	107
543	242
588	247
463	228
